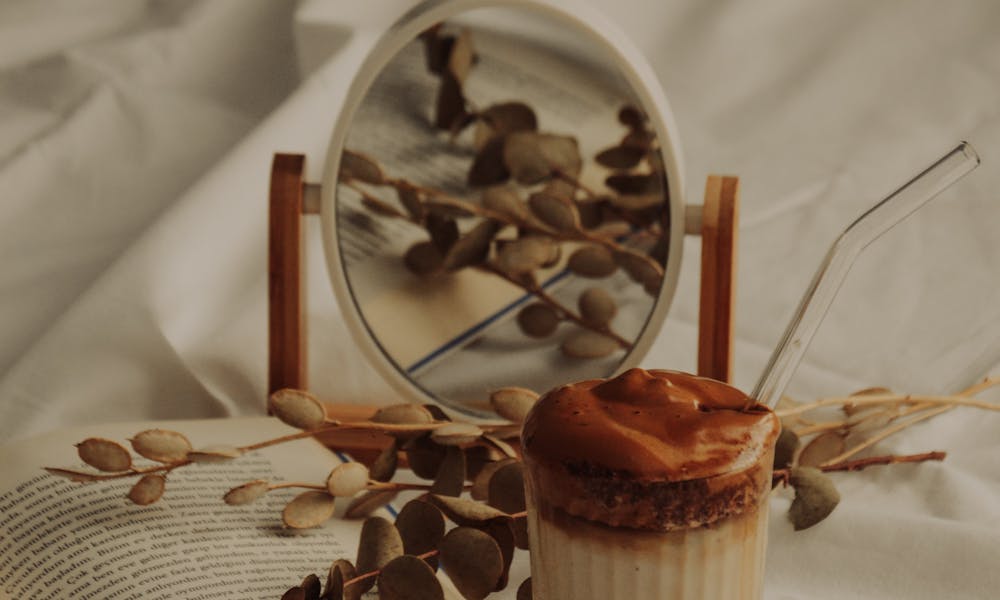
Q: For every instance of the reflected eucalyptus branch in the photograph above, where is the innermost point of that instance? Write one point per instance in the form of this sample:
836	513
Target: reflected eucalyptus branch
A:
529	286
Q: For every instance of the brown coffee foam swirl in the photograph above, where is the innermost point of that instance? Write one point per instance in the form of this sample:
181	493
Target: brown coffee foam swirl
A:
662	425
651	449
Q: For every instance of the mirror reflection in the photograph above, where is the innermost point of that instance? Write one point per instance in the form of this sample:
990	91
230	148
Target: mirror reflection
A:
502	212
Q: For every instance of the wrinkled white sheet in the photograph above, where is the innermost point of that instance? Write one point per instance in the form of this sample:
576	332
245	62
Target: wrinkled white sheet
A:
135	143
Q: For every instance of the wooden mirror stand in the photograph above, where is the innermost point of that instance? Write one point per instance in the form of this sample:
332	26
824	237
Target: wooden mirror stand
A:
291	198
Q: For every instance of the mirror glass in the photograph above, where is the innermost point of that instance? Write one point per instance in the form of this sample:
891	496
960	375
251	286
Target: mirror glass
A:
502	208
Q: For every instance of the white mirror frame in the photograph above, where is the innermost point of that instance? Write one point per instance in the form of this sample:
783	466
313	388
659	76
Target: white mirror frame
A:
635	71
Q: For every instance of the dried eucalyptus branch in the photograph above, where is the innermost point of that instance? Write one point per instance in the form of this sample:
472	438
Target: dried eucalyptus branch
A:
960	399
782	475
871	416
464	458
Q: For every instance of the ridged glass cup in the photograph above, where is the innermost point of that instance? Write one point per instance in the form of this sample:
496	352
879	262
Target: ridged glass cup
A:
603	524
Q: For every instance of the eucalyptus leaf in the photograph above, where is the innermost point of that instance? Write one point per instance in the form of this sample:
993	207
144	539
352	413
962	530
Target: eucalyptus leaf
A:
369	502
442	230
161	445
410	198
502	533
488	166
465	512
360	167
473	247
525	254
538	320
297	408
642	269
505	200
450	478
347	479
822	448
507	117
450	103
148	489
385	464
584	343
473	561
437	48
513	403
421	526
592	261
311	586
402	414
247	492
524	590
597	307
635	184
555	211
294	593
815	497
524	158
409	578
479	456
620	157
506	488
379	543
631	117
785	448
481	484
462	56
214	453
341	571
423	258
104	455
456	434
308	509
424	456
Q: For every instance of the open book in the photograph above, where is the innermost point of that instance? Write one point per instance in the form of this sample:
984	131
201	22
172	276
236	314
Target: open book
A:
65	540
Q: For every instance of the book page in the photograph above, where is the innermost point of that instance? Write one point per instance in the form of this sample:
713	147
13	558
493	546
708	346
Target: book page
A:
60	539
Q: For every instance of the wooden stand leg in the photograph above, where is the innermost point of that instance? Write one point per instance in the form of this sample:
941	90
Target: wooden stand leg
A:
718	277
286	326
286	333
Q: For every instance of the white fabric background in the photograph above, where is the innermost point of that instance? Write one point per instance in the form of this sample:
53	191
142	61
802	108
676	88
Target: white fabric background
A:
135	142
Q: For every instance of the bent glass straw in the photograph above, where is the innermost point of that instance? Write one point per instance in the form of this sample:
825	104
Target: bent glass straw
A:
845	250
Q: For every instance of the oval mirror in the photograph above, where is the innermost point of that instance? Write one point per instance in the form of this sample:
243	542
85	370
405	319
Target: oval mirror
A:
502	201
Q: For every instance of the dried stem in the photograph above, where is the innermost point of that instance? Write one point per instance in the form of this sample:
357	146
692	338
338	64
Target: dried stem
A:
333	425
296	484
960	399
399	486
376	572
925	407
888	431
847	424
862	463
577	235
91	476
957	400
